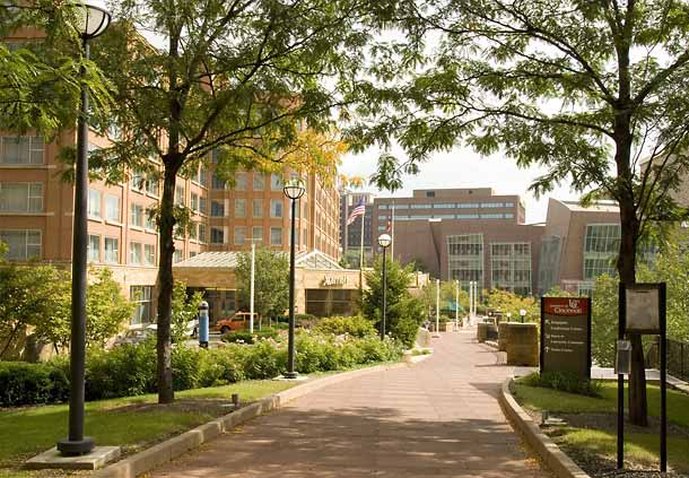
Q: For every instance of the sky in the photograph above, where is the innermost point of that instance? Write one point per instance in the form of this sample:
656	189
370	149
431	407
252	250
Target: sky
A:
462	168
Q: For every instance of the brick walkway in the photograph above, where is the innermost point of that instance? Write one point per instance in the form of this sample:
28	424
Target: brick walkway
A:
439	418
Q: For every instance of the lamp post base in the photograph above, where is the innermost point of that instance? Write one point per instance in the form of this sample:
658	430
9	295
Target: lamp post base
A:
290	375
69	447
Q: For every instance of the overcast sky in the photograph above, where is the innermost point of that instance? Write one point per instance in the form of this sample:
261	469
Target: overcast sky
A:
463	169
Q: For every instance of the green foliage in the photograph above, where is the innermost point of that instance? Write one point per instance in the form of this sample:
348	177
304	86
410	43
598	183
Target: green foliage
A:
356	326
33	298
37	299
271	284
184	310
124	371
246	337
106	308
565	382
604	320
448	295
31	384
509	303
404	312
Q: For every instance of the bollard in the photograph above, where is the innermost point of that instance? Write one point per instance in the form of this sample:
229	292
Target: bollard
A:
203	325
235	400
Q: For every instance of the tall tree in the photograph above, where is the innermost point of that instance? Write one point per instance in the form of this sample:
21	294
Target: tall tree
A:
240	79
271	281
584	88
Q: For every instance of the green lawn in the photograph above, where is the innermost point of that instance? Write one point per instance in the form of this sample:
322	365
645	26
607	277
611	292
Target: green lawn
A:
641	448
133	422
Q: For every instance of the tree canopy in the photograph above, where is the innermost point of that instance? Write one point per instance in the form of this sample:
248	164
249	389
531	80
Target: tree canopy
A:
586	89
271	284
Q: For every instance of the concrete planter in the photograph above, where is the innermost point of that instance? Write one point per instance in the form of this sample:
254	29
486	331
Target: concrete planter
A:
522	344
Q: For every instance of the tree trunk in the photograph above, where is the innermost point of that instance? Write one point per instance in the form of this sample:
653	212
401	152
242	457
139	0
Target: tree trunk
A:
166	393
626	266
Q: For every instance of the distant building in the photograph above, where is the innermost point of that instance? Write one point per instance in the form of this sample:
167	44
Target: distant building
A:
465	234
578	245
350	234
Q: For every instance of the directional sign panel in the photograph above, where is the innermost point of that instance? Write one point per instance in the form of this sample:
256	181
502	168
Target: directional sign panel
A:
566	335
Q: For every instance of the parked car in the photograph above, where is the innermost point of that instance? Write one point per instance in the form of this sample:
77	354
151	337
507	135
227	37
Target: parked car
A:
238	321
135	334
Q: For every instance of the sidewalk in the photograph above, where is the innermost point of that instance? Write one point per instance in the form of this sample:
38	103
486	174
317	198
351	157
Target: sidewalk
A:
439	418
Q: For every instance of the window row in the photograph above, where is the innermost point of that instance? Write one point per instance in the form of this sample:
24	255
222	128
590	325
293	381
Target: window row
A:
219	235
240	182
21	150
449	205
21	197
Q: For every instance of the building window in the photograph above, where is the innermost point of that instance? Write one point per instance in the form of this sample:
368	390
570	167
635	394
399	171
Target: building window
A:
465	258
135	253
21	197
94	211
240	208
217	235
152	186
430	194
601	247
275	236
511	267
257	234
218	183
240	181
203	205
257	208
217	209
259	182
177	256
149	254
275	182
141	295
202	176
239	235
137	215
23	244
276	208
94	248
150	219
137	180
194	202
112	208
179	194
112	250
202	233
21	150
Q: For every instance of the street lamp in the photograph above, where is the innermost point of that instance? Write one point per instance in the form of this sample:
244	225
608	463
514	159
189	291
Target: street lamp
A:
384	241
293	189
522	314
93	19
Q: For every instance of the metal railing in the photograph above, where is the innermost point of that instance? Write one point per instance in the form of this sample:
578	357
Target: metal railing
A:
677	358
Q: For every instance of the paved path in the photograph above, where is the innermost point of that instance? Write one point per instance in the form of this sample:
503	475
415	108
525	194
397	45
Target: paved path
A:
439	418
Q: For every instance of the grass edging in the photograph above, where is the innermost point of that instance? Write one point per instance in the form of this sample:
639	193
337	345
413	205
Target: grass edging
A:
554	458
168	450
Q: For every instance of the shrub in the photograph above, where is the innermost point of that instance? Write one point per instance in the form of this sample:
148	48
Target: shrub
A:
221	366
244	336
356	326
185	368
24	383
125	370
264	360
564	382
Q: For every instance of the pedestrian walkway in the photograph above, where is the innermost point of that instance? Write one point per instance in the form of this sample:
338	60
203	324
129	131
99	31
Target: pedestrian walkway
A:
437	419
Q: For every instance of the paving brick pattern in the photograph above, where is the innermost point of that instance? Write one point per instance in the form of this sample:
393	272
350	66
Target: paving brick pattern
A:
439	418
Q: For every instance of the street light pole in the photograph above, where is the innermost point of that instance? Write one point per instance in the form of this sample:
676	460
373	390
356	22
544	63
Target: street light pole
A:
384	241
437	306
95	19
251	288
294	190
456	303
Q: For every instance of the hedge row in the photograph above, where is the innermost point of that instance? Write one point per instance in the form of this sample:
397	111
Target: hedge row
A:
129	370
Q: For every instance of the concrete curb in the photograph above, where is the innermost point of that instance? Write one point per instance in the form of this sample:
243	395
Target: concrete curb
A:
174	447
554	458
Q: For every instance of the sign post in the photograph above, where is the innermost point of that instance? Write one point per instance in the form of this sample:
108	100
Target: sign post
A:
566	335
642	310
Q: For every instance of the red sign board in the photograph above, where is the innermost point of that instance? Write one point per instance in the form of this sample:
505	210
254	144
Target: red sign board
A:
566	335
566	306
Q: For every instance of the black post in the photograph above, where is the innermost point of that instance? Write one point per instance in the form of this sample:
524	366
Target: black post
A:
663	378
290	337
620	378
385	286
76	443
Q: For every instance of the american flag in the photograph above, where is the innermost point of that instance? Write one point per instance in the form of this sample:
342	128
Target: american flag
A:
359	210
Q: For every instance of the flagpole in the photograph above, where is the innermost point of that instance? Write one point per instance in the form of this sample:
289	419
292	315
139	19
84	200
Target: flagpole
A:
361	254
392	232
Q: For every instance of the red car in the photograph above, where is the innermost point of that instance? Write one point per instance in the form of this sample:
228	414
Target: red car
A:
239	321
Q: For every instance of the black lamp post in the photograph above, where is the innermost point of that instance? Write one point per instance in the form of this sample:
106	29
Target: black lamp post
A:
93	19
384	241
294	189
522	314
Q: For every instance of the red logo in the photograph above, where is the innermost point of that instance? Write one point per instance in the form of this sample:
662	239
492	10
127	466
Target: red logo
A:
565	305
